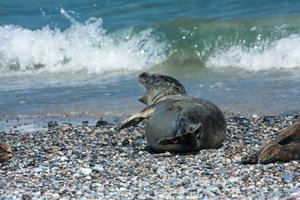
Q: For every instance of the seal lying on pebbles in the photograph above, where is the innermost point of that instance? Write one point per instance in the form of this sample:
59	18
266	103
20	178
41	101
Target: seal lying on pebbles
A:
284	148
177	122
6	153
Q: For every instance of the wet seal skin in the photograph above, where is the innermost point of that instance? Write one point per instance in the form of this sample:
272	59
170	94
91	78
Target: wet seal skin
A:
284	148
177	122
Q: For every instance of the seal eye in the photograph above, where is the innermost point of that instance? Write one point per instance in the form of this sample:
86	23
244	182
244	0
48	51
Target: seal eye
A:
286	141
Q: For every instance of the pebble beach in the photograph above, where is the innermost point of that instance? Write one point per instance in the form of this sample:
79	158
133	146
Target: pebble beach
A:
90	160
69	75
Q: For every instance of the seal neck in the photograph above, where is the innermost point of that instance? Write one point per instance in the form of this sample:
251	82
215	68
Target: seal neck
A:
168	97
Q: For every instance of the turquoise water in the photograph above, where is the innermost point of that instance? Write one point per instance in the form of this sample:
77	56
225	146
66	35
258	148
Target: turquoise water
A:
82	58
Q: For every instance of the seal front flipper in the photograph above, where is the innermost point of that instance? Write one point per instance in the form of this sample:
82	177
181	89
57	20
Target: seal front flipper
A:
137	118
269	154
186	135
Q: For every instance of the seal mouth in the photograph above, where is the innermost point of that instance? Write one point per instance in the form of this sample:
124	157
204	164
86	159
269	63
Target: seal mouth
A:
142	99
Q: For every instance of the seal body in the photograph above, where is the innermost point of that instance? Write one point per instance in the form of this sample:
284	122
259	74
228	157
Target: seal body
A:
185	125
177	122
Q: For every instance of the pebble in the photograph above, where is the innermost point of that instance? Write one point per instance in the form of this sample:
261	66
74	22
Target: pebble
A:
86	171
88	162
52	124
125	142
98	168
101	123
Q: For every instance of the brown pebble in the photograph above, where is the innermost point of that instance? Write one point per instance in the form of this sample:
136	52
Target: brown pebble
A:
27	196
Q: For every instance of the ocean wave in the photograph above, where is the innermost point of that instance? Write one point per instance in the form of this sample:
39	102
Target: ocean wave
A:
83	47
281	54
243	44
184	45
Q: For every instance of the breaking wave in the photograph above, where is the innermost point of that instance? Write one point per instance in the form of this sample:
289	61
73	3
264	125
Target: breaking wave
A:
83	47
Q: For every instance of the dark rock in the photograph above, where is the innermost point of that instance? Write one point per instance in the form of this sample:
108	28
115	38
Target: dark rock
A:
52	124
143	136
125	142
27	196
182	161
101	123
114	143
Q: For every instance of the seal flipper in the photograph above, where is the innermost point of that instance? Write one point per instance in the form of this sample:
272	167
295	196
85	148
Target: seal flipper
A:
137	118
270	154
185	136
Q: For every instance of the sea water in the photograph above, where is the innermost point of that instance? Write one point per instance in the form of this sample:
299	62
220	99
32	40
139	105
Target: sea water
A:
75	58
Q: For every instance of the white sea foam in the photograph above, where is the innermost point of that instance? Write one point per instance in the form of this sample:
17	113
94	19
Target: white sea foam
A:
281	54
82	47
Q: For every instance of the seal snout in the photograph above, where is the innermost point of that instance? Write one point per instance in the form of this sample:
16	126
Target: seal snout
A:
143	78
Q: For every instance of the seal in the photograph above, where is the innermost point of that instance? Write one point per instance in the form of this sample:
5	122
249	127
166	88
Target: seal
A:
284	148
6	153
177	122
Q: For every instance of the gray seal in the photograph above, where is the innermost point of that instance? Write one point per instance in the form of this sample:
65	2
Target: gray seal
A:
177	122
284	148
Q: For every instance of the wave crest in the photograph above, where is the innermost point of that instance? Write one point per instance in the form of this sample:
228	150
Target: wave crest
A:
281	54
83	47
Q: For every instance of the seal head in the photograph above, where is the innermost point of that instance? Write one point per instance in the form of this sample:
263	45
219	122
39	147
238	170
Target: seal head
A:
159	87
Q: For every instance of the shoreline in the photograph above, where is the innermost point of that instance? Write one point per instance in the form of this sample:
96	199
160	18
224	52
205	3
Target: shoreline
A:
84	161
33	122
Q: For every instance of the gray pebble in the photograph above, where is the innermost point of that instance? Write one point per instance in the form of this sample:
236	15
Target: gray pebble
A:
85	162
